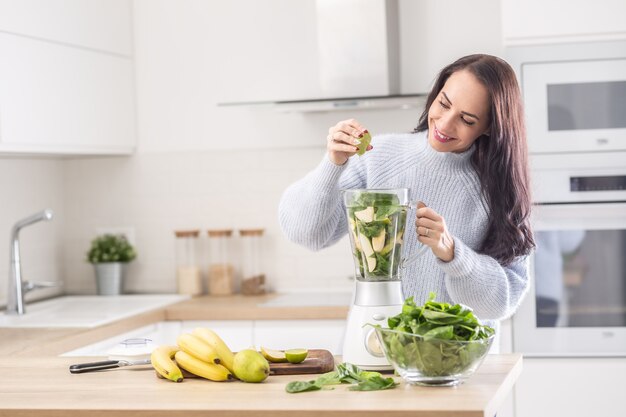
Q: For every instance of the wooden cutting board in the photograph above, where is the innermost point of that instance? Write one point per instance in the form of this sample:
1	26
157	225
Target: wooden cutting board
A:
318	361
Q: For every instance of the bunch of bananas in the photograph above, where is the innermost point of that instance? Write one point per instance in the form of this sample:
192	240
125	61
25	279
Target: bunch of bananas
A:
202	353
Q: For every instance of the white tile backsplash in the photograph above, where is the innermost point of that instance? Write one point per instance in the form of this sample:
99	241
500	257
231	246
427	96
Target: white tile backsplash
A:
157	193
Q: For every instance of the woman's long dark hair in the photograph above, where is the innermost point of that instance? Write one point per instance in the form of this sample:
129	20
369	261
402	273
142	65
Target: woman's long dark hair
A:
500	158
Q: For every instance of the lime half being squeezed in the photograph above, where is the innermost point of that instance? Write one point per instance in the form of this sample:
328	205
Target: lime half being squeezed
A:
365	142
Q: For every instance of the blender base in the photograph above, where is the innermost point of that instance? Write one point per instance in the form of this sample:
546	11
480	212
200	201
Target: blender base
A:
361	346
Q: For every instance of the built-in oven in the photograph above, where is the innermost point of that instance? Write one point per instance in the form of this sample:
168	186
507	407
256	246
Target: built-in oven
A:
577	300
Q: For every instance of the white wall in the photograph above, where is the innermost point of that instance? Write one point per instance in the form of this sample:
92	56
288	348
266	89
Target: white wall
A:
27	186
157	193
193	54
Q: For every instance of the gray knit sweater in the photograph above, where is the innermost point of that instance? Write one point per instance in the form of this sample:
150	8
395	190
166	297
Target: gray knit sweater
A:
312	214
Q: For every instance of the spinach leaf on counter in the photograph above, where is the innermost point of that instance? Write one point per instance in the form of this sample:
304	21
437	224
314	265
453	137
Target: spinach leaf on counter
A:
346	373
301	386
374	384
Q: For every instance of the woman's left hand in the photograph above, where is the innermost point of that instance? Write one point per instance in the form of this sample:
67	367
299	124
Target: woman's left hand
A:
432	231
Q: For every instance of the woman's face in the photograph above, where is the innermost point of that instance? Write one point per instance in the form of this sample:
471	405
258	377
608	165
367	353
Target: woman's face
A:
459	114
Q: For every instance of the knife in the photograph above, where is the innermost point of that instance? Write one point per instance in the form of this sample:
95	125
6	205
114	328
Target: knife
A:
79	368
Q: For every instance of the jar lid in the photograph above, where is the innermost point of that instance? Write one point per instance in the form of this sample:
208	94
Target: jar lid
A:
219	232
187	233
251	232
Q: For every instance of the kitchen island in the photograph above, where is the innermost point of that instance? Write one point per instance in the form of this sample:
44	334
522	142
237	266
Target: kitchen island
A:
36	382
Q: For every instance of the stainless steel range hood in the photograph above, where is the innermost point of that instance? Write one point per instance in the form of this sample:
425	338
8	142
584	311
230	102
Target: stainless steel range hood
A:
403	102
358	55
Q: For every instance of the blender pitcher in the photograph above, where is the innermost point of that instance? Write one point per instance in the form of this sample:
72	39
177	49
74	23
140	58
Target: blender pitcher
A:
377	223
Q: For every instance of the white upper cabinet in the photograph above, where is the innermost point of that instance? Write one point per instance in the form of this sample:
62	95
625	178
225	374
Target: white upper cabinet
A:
104	25
57	99
539	21
67	77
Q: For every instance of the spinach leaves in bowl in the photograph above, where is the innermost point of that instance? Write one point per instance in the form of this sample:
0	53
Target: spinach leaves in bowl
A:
435	344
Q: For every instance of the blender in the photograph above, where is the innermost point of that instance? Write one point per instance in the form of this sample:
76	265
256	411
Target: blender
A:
376	222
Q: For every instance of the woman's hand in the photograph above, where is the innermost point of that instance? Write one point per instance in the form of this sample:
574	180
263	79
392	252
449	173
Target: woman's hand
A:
433	232
343	139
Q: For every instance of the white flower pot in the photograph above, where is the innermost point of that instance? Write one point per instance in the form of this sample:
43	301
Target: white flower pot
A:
109	277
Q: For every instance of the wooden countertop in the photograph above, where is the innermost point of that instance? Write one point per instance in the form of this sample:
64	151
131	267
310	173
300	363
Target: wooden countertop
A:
37	382
43	387
240	307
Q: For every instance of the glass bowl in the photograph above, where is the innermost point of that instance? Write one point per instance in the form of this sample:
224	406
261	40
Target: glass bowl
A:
432	362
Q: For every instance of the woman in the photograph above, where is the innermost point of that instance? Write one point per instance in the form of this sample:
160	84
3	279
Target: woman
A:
467	163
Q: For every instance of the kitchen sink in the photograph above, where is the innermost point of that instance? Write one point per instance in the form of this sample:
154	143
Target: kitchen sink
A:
87	311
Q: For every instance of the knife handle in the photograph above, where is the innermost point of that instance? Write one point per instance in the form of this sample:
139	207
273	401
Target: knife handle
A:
93	366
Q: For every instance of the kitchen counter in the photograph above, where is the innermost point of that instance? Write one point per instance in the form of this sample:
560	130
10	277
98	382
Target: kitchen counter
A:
36	382
241	307
44	387
35	342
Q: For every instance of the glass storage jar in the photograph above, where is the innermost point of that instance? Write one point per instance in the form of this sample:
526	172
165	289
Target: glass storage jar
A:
188	278
221	269
252	275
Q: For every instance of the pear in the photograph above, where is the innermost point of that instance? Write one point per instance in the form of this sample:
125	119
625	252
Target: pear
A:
250	366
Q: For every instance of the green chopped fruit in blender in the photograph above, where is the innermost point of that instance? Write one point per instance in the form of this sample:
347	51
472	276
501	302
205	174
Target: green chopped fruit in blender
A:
366	215
378	242
357	244
387	248
384	212
383	265
368	251
365	142
376	220
371	230
374	199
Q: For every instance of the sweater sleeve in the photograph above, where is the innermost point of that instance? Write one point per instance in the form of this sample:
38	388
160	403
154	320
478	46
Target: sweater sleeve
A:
311	211
493	291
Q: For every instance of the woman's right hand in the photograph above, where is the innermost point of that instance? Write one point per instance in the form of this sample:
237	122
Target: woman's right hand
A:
343	140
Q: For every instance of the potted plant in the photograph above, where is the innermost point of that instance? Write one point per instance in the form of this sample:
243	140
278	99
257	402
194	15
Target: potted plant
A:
109	254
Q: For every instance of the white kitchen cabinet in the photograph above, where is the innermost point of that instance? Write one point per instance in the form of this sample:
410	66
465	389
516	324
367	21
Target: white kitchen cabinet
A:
276	334
573	387
104	25
237	334
539	21
60	99
293	334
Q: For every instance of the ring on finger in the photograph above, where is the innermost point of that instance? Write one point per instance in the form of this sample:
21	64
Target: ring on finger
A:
427	232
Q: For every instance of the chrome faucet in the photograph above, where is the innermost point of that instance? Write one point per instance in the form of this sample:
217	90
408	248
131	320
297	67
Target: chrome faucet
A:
17	288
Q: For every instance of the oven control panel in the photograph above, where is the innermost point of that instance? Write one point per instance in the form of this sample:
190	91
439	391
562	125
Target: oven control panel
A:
598	183
563	185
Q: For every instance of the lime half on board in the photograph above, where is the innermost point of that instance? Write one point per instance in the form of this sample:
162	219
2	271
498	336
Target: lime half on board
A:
296	355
